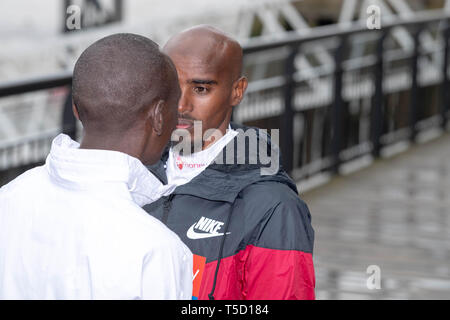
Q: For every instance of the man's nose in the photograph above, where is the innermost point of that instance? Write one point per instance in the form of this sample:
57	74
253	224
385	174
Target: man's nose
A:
184	105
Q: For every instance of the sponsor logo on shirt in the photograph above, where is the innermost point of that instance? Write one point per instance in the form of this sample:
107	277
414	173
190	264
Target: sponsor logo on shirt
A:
179	162
183	164
205	228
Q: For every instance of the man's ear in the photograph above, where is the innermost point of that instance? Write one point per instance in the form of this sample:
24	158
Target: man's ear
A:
157	119
239	88
75	111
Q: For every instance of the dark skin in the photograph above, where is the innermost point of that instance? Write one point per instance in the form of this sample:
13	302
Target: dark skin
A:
209	66
127	94
146	140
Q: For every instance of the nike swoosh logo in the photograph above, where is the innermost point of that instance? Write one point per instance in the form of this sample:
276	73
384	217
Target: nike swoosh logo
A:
191	234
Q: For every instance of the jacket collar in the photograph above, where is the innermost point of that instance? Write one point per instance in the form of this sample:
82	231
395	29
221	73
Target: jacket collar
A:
81	168
229	179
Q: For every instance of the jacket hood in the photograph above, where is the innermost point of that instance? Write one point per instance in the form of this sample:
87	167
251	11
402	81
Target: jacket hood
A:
72	167
237	166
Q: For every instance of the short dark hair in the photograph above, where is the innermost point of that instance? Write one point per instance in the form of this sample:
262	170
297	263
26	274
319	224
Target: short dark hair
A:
118	76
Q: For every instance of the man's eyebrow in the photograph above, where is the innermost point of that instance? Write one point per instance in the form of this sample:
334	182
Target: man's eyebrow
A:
202	81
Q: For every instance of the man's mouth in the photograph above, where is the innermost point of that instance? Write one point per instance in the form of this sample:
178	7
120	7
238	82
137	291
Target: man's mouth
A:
184	124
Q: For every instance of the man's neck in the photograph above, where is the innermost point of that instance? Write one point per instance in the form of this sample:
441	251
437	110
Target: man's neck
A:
214	138
195	150
111	142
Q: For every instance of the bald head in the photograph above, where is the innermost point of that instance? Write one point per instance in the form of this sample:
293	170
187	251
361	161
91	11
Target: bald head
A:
117	78
209	46
209	66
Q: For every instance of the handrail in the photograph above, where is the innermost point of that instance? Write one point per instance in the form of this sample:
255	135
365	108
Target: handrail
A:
295	38
291	38
289	84
35	84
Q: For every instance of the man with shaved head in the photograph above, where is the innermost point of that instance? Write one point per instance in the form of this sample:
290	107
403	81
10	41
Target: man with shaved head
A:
250	232
74	228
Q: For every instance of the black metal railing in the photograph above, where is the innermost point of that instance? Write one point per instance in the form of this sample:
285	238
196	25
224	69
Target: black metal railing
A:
336	146
368	99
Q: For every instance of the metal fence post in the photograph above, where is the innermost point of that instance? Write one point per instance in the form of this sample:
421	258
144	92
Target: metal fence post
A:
336	139
288	115
377	101
413	104
445	81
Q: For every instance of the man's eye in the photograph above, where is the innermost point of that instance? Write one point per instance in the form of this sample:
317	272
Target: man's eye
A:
200	90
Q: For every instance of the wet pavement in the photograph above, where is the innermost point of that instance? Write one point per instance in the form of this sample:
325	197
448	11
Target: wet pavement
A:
393	218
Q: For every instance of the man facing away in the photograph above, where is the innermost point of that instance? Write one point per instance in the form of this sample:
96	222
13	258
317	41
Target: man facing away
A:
74	228
250	233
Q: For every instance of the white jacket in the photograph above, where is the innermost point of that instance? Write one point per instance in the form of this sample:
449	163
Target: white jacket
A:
74	229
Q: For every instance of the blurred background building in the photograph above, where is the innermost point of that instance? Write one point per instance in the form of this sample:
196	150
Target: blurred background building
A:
350	84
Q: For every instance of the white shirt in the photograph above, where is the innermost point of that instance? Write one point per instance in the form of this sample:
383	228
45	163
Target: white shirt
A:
74	229
182	169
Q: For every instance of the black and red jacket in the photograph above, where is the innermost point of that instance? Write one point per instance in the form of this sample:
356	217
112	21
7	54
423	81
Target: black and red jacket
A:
254	231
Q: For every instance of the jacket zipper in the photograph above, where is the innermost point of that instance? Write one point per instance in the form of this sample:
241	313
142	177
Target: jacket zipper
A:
166	208
222	243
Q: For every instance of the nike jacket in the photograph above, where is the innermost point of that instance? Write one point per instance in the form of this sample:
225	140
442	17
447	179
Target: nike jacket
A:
250	234
74	229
